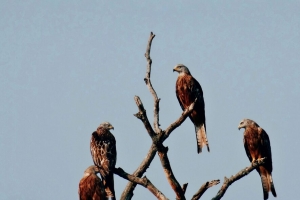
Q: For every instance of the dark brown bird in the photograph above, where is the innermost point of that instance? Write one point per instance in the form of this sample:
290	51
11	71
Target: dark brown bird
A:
257	145
187	90
104	154
90	186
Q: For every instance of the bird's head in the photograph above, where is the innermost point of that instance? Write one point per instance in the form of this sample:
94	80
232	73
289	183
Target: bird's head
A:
181	69
246	122
91	170
106	125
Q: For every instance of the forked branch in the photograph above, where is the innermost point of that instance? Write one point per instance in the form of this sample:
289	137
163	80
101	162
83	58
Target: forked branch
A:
142	115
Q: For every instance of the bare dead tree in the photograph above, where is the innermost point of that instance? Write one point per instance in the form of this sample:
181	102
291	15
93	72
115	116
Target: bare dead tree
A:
158	136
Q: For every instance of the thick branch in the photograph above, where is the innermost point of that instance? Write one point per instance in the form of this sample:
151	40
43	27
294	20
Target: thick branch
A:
149	85
162	153
141	181
128	191
203	188
239	175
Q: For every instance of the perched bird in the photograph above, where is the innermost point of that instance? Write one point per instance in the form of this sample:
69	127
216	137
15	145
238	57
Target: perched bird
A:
187	90
90	186
104	154
257	145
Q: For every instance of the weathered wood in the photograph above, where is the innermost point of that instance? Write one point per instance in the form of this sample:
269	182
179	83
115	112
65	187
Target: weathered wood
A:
239	175
203	188
145	182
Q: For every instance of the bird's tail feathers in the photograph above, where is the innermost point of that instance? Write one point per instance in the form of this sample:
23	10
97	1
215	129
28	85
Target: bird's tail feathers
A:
272	185
265	186
267	182
201	138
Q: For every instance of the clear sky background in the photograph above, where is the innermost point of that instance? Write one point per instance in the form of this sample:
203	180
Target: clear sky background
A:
67	66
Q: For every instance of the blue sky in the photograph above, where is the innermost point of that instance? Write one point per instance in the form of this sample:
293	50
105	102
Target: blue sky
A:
65	67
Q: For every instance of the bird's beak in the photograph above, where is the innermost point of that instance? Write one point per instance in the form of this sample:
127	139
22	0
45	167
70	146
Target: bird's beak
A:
175	69
239	127
111	127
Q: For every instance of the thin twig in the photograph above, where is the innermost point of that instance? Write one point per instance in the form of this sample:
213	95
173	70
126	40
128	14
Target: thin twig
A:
145	182
179	121
184	186
203	188
239	175
143	116
149	85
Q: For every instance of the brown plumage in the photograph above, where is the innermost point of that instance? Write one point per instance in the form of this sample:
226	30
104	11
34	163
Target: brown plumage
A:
90	186
187	90
257	145
104	154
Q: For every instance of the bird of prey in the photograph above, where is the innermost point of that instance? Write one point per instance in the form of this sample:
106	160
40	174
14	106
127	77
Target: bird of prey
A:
104	154
257	145
90	186
187	90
